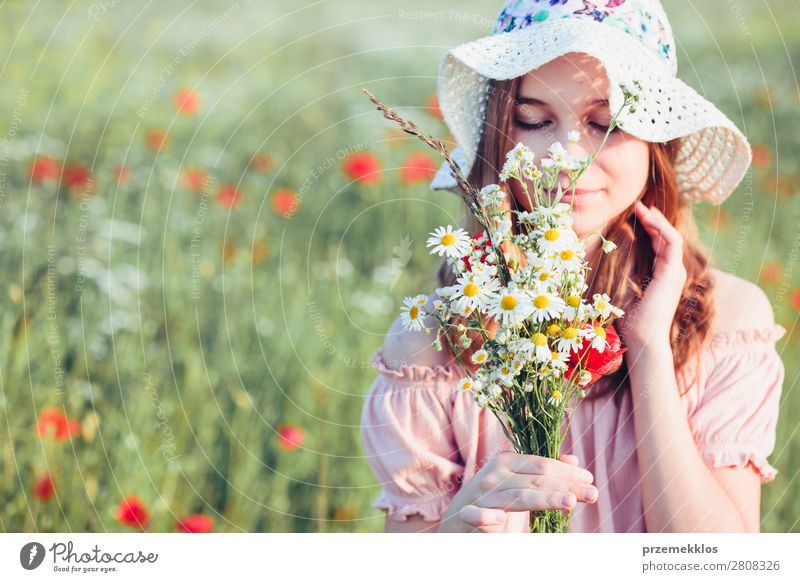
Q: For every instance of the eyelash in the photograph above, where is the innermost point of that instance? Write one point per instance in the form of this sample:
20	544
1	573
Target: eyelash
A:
537	126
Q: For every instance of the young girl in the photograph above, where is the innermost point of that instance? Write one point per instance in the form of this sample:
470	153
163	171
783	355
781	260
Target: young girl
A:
677	440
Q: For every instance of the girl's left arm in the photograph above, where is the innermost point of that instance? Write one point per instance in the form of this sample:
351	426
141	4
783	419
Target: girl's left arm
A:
680	492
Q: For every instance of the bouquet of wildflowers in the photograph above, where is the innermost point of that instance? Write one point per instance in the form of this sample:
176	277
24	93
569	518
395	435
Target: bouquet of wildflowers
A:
550	343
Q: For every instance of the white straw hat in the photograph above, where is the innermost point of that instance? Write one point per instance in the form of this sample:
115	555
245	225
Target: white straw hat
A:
633	40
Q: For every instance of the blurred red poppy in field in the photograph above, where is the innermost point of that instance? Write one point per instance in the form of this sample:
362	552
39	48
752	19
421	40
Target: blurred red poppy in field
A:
363	167
42	168
259	252
197	523
122	174
433	106
284	202
77	178
761	155
228	195
44	488
194	179
157	139
796	299
54	423
261	162
290	437
187	101
419	167
771	272
133	513
721	219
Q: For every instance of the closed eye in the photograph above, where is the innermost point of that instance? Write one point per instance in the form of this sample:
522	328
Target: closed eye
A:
536	126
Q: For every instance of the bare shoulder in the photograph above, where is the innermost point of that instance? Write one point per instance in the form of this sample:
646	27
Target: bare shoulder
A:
408	348
740	304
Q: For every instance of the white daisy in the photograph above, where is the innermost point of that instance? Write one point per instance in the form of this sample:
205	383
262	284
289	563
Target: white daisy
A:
510	169
553	240
573	136
482	400
480	357
492	195
602	305
570	340
474	291
467	384
559	360
511	306
541	351
597	335
412	314
546	305
608	246
446	241
555	398
575	308
570	260
521	153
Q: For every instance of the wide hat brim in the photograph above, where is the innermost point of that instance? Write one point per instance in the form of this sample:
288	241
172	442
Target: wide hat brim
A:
713	155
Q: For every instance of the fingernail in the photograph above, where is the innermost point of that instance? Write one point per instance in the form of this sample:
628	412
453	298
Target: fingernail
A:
568	500
591	495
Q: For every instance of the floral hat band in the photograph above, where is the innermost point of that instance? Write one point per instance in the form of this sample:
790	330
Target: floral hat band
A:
634	42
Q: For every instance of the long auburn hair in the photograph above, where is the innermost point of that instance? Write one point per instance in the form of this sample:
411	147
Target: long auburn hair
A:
622	274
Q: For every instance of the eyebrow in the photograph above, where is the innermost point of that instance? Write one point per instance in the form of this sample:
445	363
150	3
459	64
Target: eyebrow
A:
534	101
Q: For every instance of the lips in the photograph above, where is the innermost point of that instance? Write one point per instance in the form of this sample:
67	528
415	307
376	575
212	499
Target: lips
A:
576	193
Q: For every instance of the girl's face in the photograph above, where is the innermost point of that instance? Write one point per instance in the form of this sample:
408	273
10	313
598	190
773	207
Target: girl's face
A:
571	93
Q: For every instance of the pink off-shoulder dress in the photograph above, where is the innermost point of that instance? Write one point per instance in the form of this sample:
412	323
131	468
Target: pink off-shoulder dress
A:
423	437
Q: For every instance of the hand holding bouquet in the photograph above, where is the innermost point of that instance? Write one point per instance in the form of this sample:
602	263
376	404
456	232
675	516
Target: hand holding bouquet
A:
548	344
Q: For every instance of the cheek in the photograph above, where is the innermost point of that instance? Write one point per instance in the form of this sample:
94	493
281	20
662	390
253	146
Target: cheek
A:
626	165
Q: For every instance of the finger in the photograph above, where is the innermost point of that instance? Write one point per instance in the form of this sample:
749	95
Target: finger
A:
536	465
482	516
571	459
528	500
583	491
667	241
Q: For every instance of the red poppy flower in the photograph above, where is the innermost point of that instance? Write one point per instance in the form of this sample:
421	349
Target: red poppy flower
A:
433	106
228	195
598	364
197	523
290	437
77	178
771	272
187	101
122	174
44	168
261	163
417	168
44	488
133	513
796	299
761	156
285	202
363	167
194	179
157	139
485	244
54	423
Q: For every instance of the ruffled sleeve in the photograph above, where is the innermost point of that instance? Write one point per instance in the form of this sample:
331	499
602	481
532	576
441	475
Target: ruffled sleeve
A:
407	433
737	411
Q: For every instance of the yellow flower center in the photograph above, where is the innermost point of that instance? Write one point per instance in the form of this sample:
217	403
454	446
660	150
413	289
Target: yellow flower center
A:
413	312
556	394
601	305
480	358
449	239
539	339
570	333
554	355
600	332
568	255
553	330
541	301
470	289
467	385
551	234
508	302
573	301
544	276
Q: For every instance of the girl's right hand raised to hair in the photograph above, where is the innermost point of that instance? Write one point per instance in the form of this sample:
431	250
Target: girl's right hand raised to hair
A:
512	482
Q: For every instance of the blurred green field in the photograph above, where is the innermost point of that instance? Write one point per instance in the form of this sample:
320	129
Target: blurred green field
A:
184	334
